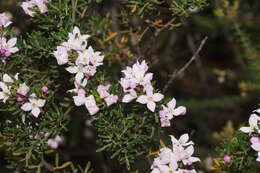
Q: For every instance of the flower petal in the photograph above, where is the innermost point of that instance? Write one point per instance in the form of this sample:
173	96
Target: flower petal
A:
142	99
36	111
27	107
151	106
181	110
157	97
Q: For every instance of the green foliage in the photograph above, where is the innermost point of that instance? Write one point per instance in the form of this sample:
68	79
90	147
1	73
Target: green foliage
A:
241	153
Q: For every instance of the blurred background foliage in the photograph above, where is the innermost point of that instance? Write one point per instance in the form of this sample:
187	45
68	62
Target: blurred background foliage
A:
220	88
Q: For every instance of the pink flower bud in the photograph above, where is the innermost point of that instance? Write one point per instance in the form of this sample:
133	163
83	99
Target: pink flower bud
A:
2	51
254	140
44	89
227	159
7	53
19	99
8	121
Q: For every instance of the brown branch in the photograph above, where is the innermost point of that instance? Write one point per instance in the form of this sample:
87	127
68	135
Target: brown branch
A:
178	72
74	6
157	32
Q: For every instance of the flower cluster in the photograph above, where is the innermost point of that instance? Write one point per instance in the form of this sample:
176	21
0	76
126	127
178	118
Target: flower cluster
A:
7	47
13	89
87	61
167	113
103	93
29	5
254	131
169	159
136	82
137	76
84	66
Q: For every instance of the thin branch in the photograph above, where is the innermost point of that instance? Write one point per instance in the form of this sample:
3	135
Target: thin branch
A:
74	8
157	32
178	72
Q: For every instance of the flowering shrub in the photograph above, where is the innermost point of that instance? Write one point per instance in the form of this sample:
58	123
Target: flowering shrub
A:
239	153
62	69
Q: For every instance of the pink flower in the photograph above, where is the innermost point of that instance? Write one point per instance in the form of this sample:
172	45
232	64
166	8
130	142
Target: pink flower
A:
8	121
81	91
45	89
19	99
41	5
91	105
254	140
54	143
172	110
33	106
4	20
61	55
111	99
150	98
227	159
8	46
26	7
102	91
129	97
23	89
165	119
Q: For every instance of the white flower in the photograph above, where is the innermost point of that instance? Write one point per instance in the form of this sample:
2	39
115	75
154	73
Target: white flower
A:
5	93
89	102
7	79
129	97
253	125
183	140
181	110
79	70
61	54
4	20
188	159
9	45
150	98
34	106
91	105
76	40
79	100
256	146
95	58
23	89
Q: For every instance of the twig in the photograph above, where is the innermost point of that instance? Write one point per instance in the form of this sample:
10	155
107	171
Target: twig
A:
143	33
74	6
46	164
165	26
178	72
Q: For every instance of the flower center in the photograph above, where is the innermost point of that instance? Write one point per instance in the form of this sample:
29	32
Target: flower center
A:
150	98
34	105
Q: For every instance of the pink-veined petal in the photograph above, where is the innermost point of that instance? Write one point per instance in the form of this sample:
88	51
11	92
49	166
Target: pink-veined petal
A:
27	107
172	103
158	97
36	111
128	98
72	69
181	110
142	99
41	102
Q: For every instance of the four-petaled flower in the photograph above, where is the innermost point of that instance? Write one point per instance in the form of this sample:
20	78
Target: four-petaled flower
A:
34	106
150	98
